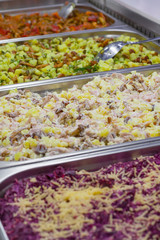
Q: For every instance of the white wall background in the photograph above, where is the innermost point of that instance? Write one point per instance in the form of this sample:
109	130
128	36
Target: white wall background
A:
147	8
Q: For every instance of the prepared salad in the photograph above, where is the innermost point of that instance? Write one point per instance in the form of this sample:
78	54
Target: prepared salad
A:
56	57
107	110
26	25
121	201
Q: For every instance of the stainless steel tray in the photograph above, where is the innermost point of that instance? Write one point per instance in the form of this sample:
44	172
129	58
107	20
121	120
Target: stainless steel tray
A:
89	162
82	7
110	33
62	84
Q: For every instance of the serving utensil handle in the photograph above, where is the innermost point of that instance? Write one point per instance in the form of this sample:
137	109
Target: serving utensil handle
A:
147	40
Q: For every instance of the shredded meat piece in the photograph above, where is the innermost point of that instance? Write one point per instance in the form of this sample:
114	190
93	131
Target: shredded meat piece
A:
40	149
12	114
46	100
16	135
58	150
5	153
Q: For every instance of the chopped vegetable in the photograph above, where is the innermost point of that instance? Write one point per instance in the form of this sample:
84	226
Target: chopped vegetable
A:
25	25
57	57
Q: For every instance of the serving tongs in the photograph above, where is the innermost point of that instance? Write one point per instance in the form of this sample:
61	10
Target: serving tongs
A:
66	10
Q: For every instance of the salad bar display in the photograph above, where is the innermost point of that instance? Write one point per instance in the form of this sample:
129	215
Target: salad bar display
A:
79	138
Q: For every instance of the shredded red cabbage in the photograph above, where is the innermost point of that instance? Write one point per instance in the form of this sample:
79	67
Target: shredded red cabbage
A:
132	215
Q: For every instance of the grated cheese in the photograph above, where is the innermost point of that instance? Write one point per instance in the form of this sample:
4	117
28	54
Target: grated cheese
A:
120	199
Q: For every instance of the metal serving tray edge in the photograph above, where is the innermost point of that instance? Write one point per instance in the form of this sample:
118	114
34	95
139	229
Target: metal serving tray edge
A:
65	84
107	32
3	235
89	162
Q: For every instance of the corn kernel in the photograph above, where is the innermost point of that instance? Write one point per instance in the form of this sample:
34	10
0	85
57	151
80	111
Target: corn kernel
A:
96	142
25	131
154	132
6	142
135	133
30	143
47	129
104	133
4	133
51	115
124	131
46	141
55	142
33	112
63	144
56	130
17	156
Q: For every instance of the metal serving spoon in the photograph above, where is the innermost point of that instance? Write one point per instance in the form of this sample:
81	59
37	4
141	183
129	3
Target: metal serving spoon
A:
67	9
112	49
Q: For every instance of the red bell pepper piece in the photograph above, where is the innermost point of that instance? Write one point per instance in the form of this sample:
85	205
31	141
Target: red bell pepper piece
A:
55	28
92	18
3	31
35	30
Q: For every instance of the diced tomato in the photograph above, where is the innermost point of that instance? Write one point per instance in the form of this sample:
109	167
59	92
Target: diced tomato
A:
3	31
24	35
92	18
76	28
27	24
35	30
55	28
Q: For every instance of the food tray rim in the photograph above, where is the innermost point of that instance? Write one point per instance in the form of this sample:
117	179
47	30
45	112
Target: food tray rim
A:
103	31
76	158
75	78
